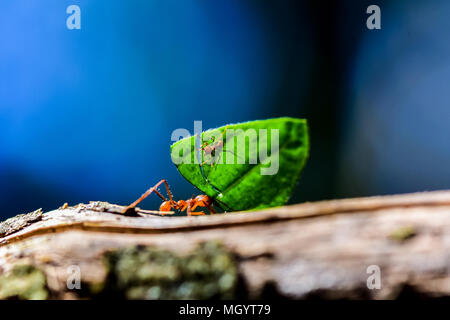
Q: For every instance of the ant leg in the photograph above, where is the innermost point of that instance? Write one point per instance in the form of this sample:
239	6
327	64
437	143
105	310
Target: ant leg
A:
190	211
184	207
193	207
197	213
220	149
212	159
202	204
168	191
207	143
205	162
211	209
200	213
148	192
218	159
213	139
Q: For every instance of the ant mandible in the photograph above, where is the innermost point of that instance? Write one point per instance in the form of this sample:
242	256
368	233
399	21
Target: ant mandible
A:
189	205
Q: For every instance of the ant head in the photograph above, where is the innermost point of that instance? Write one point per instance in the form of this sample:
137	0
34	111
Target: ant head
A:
204	198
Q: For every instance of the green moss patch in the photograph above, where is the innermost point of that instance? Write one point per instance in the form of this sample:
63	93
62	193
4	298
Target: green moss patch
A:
207	272
23	282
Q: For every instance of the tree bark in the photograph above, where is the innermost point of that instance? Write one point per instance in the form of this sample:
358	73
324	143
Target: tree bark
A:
336	249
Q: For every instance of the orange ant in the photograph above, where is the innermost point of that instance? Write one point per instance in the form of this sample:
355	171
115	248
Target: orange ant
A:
189	205
210	147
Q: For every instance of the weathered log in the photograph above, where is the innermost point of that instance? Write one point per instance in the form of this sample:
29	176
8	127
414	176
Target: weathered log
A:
310	250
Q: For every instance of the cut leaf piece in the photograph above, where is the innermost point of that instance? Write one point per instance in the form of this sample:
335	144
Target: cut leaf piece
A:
250	165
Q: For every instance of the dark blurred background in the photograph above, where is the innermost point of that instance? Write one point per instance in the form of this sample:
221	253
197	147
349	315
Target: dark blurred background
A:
87	114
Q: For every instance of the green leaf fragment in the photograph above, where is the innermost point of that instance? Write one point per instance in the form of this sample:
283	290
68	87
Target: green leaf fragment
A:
257	166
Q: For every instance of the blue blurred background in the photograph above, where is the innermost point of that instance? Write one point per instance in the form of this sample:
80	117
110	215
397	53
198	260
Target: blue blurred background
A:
87	114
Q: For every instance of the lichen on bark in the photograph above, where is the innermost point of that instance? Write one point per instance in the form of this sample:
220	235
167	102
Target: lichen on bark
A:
23	282
207	272
19	222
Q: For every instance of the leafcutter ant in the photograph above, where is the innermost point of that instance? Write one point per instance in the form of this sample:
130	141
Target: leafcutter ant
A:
169	204
213	148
